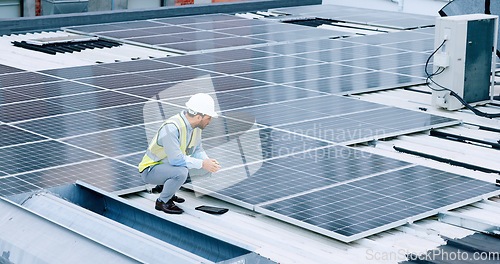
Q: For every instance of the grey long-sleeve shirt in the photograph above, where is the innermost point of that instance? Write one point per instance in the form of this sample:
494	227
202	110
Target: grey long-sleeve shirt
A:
169	139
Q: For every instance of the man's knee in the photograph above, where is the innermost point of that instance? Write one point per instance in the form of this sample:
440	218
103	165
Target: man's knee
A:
181	173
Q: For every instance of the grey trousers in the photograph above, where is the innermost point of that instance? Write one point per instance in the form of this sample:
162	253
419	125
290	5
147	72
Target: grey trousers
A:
171	177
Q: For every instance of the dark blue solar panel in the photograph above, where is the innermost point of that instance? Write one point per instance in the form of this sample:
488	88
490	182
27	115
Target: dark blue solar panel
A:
42	155
367	206
124	141
8	69
22	78
53	89
71	125
13	136
364	82
31	110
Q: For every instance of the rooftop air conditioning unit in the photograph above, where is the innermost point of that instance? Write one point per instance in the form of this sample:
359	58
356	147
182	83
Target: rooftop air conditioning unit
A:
464	60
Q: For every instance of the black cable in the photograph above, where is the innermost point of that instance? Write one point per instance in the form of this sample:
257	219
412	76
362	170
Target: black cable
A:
460	99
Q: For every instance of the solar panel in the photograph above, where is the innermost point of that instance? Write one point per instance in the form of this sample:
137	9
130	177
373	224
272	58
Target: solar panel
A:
126	140
22	78
370	205
420	45
53	89
9	96
30	110
8	69
95	100
70	125
13	158
81	72
288	75
368	125
365	82
307	46
91	171
93	123
343	54
14	136
303	169
207	32
389	61
241	98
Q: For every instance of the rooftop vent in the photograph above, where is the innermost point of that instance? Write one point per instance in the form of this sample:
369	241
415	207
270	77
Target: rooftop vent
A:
65	44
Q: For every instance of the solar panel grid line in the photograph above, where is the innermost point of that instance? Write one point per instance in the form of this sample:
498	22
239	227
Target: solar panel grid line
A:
443	179
25	78
87	133
223	169
97	143
53	167
8	187
45	139
252	30
249	89
34	99
301	73
374	131
216	45
6	69
443	188
266	104
75	146
14	113
269	112
372	231
309	46
143	65
322	54
360	82
334	185
89	171
415	71
250	64
65	114
420	216
12	165
240	101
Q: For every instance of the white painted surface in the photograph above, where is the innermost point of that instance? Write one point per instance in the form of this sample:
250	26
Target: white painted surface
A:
422	7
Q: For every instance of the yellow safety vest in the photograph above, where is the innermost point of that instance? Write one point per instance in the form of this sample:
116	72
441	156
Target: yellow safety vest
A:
156	153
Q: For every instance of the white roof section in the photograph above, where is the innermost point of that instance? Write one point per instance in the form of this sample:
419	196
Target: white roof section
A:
36	61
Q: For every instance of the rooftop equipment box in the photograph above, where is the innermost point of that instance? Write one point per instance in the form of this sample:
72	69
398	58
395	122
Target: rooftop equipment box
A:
466	59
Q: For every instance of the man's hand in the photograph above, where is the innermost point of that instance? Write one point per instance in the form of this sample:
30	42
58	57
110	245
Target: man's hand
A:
211	165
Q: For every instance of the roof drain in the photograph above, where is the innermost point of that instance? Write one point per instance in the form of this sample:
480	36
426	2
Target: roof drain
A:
65	44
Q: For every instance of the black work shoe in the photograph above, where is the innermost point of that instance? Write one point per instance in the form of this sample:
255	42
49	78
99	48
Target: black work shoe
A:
168	207
178	199
158	188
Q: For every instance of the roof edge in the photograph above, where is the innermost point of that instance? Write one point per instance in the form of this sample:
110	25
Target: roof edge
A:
23	25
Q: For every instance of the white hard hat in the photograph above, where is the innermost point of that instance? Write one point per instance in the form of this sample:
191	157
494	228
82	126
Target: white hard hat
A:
202	103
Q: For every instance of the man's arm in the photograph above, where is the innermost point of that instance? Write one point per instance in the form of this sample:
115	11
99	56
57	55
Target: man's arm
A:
169	139
200	153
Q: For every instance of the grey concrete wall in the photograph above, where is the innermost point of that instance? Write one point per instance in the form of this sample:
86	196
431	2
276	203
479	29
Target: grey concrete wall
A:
27	24
99	5
105	5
